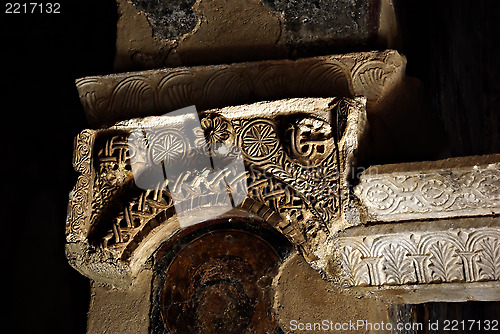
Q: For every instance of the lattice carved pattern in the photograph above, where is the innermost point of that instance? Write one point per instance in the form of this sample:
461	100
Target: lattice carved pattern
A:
280	196
292	175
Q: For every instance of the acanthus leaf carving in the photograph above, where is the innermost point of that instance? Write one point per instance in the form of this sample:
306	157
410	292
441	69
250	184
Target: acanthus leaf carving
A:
489	262
356	270
445	264
398	268
454	255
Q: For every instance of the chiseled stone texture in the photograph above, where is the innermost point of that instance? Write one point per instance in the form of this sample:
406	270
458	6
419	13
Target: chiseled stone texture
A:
459	187
399	113
153	34
426	226
120	310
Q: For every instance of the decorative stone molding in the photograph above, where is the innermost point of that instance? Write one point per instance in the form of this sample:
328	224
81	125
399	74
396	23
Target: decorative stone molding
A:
454	255
416	191
296	153
117	97
299	156
81	195
424	226
429	255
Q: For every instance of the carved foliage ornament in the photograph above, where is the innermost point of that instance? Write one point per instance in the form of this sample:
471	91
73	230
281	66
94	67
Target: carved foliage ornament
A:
452	255
437	193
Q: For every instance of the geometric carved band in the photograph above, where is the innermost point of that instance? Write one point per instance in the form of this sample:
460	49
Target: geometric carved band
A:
438	192
444	254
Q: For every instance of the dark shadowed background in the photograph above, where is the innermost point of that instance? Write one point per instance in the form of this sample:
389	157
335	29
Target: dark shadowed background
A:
452	46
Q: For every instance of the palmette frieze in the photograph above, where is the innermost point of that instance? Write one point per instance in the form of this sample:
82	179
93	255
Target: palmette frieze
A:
448	255
108	99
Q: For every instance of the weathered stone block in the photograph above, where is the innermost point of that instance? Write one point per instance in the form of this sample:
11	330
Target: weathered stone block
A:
397	107
413	244
123	310
153	34
303	298
297	156
414	262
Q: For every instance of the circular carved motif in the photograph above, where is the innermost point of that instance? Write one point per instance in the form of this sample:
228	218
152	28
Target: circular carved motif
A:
435	192
489	186
259	140
380	196
217	129
168	146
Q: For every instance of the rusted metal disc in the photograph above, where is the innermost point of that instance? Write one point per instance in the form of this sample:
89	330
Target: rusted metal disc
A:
219	282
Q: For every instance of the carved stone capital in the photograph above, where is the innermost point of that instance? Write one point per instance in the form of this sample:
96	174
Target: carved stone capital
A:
296	156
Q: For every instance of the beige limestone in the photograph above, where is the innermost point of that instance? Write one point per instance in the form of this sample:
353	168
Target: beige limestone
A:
124	310
402	259
302	295
296	174
116	97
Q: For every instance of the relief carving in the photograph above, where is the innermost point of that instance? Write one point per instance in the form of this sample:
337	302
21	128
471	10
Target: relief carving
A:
439	193
404	258
293	174
81	195
108	99
310	140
